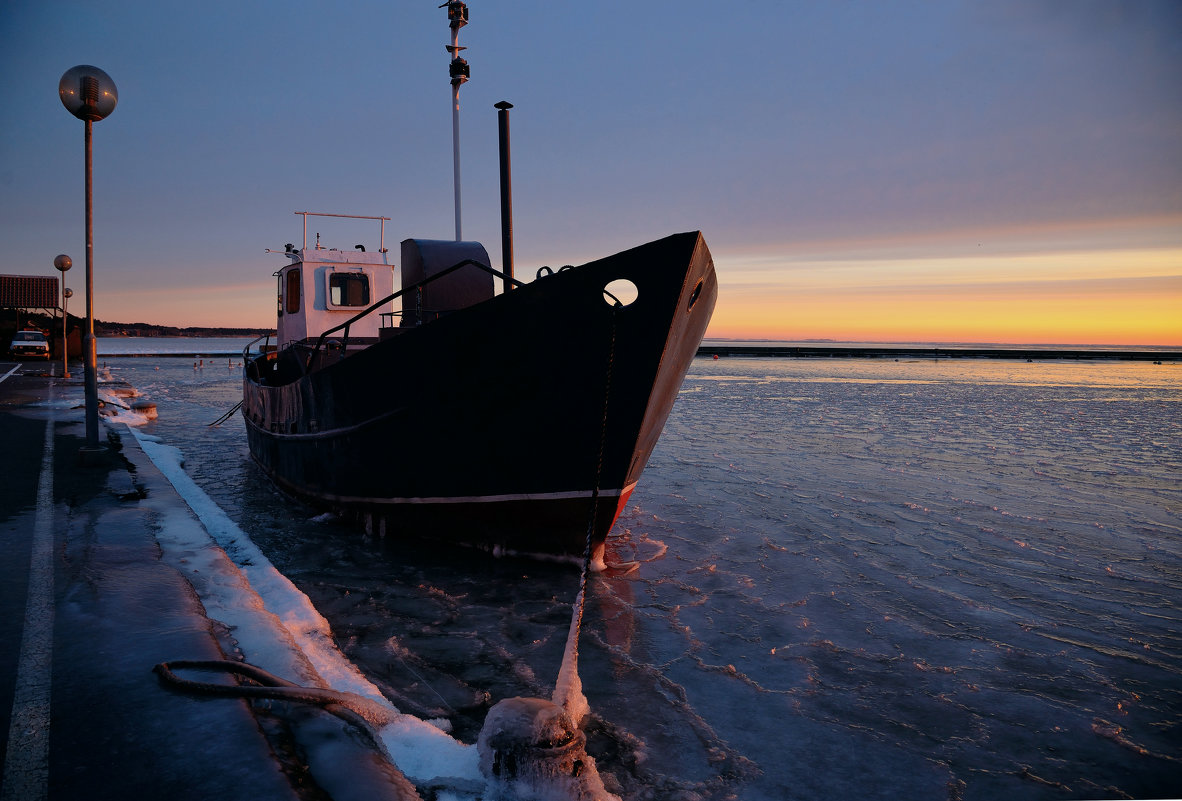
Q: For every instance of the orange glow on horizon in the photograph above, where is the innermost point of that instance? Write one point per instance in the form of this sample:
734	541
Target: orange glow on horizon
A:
225	306
1130	297
1036	320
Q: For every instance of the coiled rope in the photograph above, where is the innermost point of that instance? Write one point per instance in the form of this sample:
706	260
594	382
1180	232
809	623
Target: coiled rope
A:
366	715
360	711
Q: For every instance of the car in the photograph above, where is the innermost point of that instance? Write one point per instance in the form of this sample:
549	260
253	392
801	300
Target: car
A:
29	345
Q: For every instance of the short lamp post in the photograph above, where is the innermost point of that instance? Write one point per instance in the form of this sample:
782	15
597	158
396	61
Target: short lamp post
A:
63	263
66	295
90	95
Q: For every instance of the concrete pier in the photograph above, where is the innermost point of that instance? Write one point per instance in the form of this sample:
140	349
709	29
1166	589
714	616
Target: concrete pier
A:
87	609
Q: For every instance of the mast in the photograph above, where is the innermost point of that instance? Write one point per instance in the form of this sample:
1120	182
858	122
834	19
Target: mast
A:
457	16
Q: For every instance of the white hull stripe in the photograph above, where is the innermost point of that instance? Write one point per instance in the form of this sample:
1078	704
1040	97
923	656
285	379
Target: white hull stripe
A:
458	499
332	432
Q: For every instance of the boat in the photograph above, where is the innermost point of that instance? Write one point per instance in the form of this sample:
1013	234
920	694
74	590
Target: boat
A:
416	399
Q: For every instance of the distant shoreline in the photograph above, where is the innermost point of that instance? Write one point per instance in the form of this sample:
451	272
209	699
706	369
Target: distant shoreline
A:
838	351
120	331
231	345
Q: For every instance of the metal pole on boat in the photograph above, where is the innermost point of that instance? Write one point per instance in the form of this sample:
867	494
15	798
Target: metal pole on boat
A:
90	95
457	15
455	152
506	192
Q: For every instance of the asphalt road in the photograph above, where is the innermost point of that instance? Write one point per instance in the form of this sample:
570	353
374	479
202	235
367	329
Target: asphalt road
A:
87	608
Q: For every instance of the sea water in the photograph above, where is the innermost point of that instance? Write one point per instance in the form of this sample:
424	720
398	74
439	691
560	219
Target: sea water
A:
856	578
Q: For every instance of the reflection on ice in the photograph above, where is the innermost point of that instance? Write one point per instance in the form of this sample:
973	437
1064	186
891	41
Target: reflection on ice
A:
965	568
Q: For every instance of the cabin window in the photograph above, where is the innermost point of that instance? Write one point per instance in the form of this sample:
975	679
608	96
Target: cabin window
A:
348	289
291	293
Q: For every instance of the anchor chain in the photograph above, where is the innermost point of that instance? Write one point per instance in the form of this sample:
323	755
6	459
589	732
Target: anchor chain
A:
593	515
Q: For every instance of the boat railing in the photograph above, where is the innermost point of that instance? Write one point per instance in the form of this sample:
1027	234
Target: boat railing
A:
262	349
417	288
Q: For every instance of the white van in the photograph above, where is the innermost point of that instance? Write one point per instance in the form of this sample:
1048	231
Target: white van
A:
29	345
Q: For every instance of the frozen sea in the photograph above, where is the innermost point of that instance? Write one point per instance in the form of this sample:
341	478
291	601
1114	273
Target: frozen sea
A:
952	579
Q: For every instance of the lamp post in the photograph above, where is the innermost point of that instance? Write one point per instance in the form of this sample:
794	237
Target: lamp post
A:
63	263
66	295
90	95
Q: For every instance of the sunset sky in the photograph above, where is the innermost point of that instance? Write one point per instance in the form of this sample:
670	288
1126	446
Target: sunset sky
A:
993	171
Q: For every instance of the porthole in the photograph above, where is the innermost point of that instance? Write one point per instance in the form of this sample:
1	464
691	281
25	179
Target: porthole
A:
694	295
620	292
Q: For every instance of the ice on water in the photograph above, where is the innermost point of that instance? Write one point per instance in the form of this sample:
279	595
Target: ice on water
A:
948	579
969	572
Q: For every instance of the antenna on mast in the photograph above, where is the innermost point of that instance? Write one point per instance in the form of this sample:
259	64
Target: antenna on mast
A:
457	16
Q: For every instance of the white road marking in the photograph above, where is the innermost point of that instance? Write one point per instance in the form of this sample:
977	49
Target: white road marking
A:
26	766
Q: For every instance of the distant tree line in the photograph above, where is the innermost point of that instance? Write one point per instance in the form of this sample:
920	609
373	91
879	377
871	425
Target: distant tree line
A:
105	329
53	326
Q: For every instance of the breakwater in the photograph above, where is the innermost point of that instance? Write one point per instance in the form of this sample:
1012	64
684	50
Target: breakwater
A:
911	352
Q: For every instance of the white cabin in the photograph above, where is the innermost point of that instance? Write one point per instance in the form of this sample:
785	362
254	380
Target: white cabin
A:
323	288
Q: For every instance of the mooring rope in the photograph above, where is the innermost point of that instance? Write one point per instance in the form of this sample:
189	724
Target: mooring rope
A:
227	415
568	692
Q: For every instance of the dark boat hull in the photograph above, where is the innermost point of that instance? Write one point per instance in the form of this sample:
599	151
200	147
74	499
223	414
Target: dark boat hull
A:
489	425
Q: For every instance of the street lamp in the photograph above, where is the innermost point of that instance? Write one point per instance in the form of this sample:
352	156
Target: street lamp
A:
90	95
66	295
63	263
